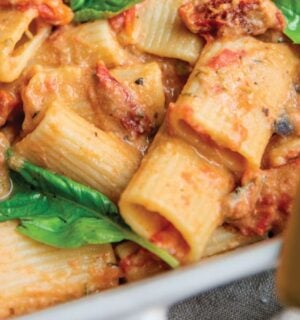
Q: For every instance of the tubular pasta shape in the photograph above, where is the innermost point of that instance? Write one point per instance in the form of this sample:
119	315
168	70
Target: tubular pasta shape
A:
35	276
157	29
177	186
84	44
17	44
67	144
223	240
231	98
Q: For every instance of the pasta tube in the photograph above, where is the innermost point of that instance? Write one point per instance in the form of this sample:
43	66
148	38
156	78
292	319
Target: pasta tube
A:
224	239
85	44
66	143
157	29
231	98
14	28
35	276
174	198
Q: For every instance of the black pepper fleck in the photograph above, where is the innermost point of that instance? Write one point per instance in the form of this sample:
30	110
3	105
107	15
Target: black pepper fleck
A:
139	81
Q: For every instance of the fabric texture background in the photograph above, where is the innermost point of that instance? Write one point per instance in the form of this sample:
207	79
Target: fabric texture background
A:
249	299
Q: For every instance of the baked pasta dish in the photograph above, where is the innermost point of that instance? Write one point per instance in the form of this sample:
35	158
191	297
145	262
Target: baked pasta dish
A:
138	136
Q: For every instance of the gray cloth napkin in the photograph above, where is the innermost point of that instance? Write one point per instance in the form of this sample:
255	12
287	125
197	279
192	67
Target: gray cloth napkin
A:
249	299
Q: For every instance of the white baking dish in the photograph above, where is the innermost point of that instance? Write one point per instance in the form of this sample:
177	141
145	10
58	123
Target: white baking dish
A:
148	299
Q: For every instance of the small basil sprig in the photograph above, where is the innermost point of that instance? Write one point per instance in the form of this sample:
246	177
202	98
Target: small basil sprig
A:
291	11
57	211
87	10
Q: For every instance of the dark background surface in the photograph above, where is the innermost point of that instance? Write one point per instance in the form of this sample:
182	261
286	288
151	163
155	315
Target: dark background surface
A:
249	299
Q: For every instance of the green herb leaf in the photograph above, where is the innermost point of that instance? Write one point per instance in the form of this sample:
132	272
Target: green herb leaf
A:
291	11
87	10
57	211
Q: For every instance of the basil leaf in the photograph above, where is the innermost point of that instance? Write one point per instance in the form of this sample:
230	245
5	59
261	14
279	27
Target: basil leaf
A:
87	10
57	211
291	11
60	233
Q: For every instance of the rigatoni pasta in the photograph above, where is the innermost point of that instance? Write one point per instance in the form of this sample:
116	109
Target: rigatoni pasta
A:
224	239
157	29
35	276
84	44
165	193
14	29
65	142
231	97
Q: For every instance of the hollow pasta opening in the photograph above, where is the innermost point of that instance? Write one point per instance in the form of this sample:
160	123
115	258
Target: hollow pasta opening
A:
31	31
159	230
